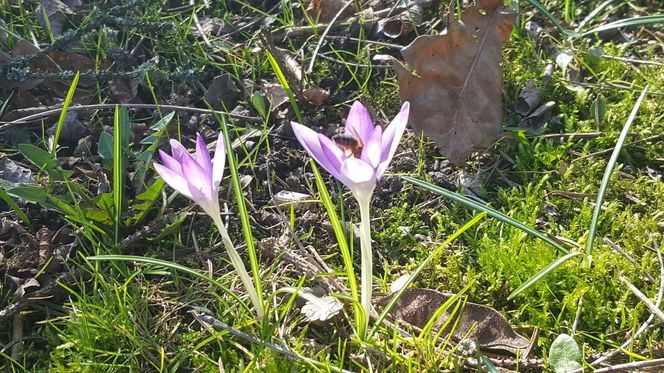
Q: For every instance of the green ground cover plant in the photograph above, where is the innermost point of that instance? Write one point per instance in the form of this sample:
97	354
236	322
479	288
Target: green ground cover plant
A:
550	236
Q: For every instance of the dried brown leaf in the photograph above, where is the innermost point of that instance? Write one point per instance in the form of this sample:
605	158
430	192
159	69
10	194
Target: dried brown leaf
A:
455	88
326	10
477	322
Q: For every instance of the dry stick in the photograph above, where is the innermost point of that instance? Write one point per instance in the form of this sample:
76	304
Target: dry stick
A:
609	86
364	65
578	136
620	251
655	363
322	37
653	309
216	324
198	25
646	324
49	112
605	151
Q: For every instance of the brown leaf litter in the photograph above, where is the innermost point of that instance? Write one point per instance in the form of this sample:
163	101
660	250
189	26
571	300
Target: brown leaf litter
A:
454	81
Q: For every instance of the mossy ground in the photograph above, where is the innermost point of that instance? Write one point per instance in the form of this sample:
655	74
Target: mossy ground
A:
139	318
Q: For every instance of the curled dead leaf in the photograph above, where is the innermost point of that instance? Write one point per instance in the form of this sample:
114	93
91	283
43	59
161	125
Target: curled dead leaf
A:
454	82
484	324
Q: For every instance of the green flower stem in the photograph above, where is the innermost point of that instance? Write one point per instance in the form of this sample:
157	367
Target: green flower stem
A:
367	261
239	267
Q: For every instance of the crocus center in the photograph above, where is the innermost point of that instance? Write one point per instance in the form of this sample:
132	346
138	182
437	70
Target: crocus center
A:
349	144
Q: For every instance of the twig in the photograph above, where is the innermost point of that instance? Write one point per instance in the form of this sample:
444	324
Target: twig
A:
325	32
6	125
577	136
216	324
198	25
646	324
607	86
620	251
655	363
653	309
605	151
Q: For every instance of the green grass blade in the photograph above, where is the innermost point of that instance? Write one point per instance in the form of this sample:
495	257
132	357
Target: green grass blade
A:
120	142
421	267
551	18
346	255
628	22
174	266
607	176
531	281
63	114
21	215
480	207
242	212
600	8
284	83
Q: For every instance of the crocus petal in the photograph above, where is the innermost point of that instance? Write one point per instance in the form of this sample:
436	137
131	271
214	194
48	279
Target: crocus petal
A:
177	150
371	152
175	180
170	162
391	138
310	141
358	122
218	162
200	182
333	154
359	176
202	154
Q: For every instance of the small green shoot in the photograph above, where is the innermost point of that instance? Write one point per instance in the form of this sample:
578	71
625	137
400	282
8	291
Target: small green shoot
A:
63	114
607	177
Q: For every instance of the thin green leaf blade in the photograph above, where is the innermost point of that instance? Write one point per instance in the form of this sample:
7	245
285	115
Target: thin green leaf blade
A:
531	281
21	215
628	22
63	113
607	176
120	142
480	207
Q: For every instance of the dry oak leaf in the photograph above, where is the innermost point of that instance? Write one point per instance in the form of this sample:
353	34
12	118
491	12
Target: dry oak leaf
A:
455	86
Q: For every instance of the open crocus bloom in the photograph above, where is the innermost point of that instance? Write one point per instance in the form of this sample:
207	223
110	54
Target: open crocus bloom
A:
358	158
196	177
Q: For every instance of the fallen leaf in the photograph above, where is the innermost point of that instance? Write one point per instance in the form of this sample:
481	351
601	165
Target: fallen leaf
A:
55	12
316	96
325	10
15	173
481	323
26	287
455	86
536	120
275	93
71	132
124	90
402	24
222	93
528	99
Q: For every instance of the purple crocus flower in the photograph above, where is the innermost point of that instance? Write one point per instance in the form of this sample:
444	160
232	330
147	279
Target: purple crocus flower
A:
359	157
197	177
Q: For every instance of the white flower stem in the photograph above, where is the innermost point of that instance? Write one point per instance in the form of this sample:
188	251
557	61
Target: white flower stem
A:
237	262
364	202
